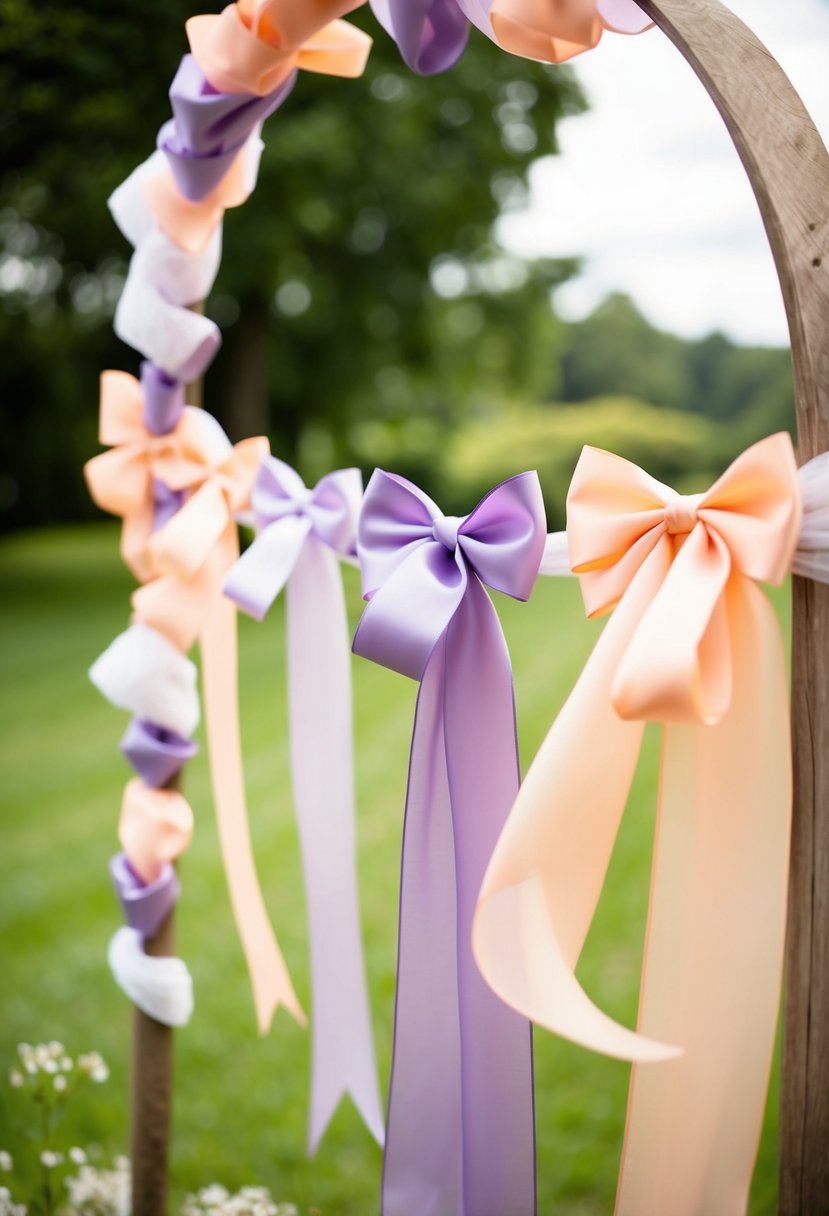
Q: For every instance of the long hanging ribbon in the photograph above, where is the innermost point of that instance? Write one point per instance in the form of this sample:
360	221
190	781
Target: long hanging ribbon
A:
460	1133
300	534
694	645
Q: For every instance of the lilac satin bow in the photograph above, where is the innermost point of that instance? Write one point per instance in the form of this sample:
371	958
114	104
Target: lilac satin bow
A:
300	534
460	1134
208	128
431	34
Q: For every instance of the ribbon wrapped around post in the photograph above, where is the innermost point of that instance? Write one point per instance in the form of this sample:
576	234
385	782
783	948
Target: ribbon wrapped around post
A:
693	644
431	34
300	533
460	1131
252	48
190	556
553	31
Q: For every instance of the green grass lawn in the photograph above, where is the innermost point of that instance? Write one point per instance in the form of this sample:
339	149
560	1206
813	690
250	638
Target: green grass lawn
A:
241	1101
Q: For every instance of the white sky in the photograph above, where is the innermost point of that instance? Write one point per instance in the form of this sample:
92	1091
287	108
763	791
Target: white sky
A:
650	190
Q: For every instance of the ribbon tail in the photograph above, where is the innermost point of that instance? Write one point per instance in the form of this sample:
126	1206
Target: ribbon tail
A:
543	882
714	953
271	982
460	1127
319	668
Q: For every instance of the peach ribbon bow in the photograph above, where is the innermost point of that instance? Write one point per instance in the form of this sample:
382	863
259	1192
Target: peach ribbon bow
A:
693	644
253	47
121	480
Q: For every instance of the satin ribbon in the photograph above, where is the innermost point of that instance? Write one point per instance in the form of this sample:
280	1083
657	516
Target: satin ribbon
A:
553	30
460	1132
209	128
145	905
694	645
431	34
236	54
155	752
160	987
300	533
122	480
143	672
189	223
191	556
155	828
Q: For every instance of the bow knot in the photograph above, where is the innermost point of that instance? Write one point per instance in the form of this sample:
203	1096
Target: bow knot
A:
445	529
417	562
630	535
287	513
681	513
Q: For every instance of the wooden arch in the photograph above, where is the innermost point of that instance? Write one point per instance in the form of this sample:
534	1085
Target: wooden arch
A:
788	167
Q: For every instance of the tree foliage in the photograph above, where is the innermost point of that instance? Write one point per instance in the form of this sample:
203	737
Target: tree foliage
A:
360	281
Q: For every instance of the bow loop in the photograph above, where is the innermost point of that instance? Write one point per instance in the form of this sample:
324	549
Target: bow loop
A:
503	538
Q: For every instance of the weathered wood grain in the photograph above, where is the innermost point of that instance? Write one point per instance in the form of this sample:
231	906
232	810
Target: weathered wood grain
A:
788	167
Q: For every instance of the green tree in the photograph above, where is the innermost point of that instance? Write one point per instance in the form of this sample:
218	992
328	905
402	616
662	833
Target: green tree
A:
360	282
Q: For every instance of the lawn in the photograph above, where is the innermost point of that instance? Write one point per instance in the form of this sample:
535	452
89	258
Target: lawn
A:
241	1101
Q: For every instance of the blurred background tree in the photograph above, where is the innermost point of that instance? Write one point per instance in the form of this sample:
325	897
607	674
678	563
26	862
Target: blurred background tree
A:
368	313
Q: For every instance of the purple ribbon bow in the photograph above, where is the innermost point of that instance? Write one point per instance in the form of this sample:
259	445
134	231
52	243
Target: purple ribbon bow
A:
208	128
300	533
431	34
460	1128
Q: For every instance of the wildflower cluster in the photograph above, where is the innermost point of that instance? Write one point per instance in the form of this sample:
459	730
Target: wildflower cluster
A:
216	1200
47	1067
97	1192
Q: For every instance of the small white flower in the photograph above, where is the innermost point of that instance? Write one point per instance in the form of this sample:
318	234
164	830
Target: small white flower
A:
16	1078
51	1066
67	1063
56	1049
59	1083
50	1160
41	1055
99	1074
24	1050
6	1163
30	1065
77	1155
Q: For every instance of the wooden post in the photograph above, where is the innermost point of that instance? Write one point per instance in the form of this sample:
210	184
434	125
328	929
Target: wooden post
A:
152	1055
788	167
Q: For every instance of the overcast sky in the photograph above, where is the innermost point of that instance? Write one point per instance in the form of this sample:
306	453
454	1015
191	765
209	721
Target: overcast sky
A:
650	190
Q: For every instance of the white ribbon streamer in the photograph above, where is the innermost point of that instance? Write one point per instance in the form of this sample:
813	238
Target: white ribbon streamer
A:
141	671
160	987
320	709
556	560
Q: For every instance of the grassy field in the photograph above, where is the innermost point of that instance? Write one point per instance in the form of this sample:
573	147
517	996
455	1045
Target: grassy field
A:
240	1108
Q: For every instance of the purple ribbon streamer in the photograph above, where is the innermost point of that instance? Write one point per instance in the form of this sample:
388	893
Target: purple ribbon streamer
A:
145	905
163	399
208	127
155	753
460	1129
431	34
300	533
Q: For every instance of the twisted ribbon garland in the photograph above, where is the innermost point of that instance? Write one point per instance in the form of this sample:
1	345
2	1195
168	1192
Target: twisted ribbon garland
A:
694	645
300	533
460	1131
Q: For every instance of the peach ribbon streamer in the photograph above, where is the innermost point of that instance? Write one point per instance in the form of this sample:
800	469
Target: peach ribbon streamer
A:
121	480
156	826
693	644
191	554
252	49
555	30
